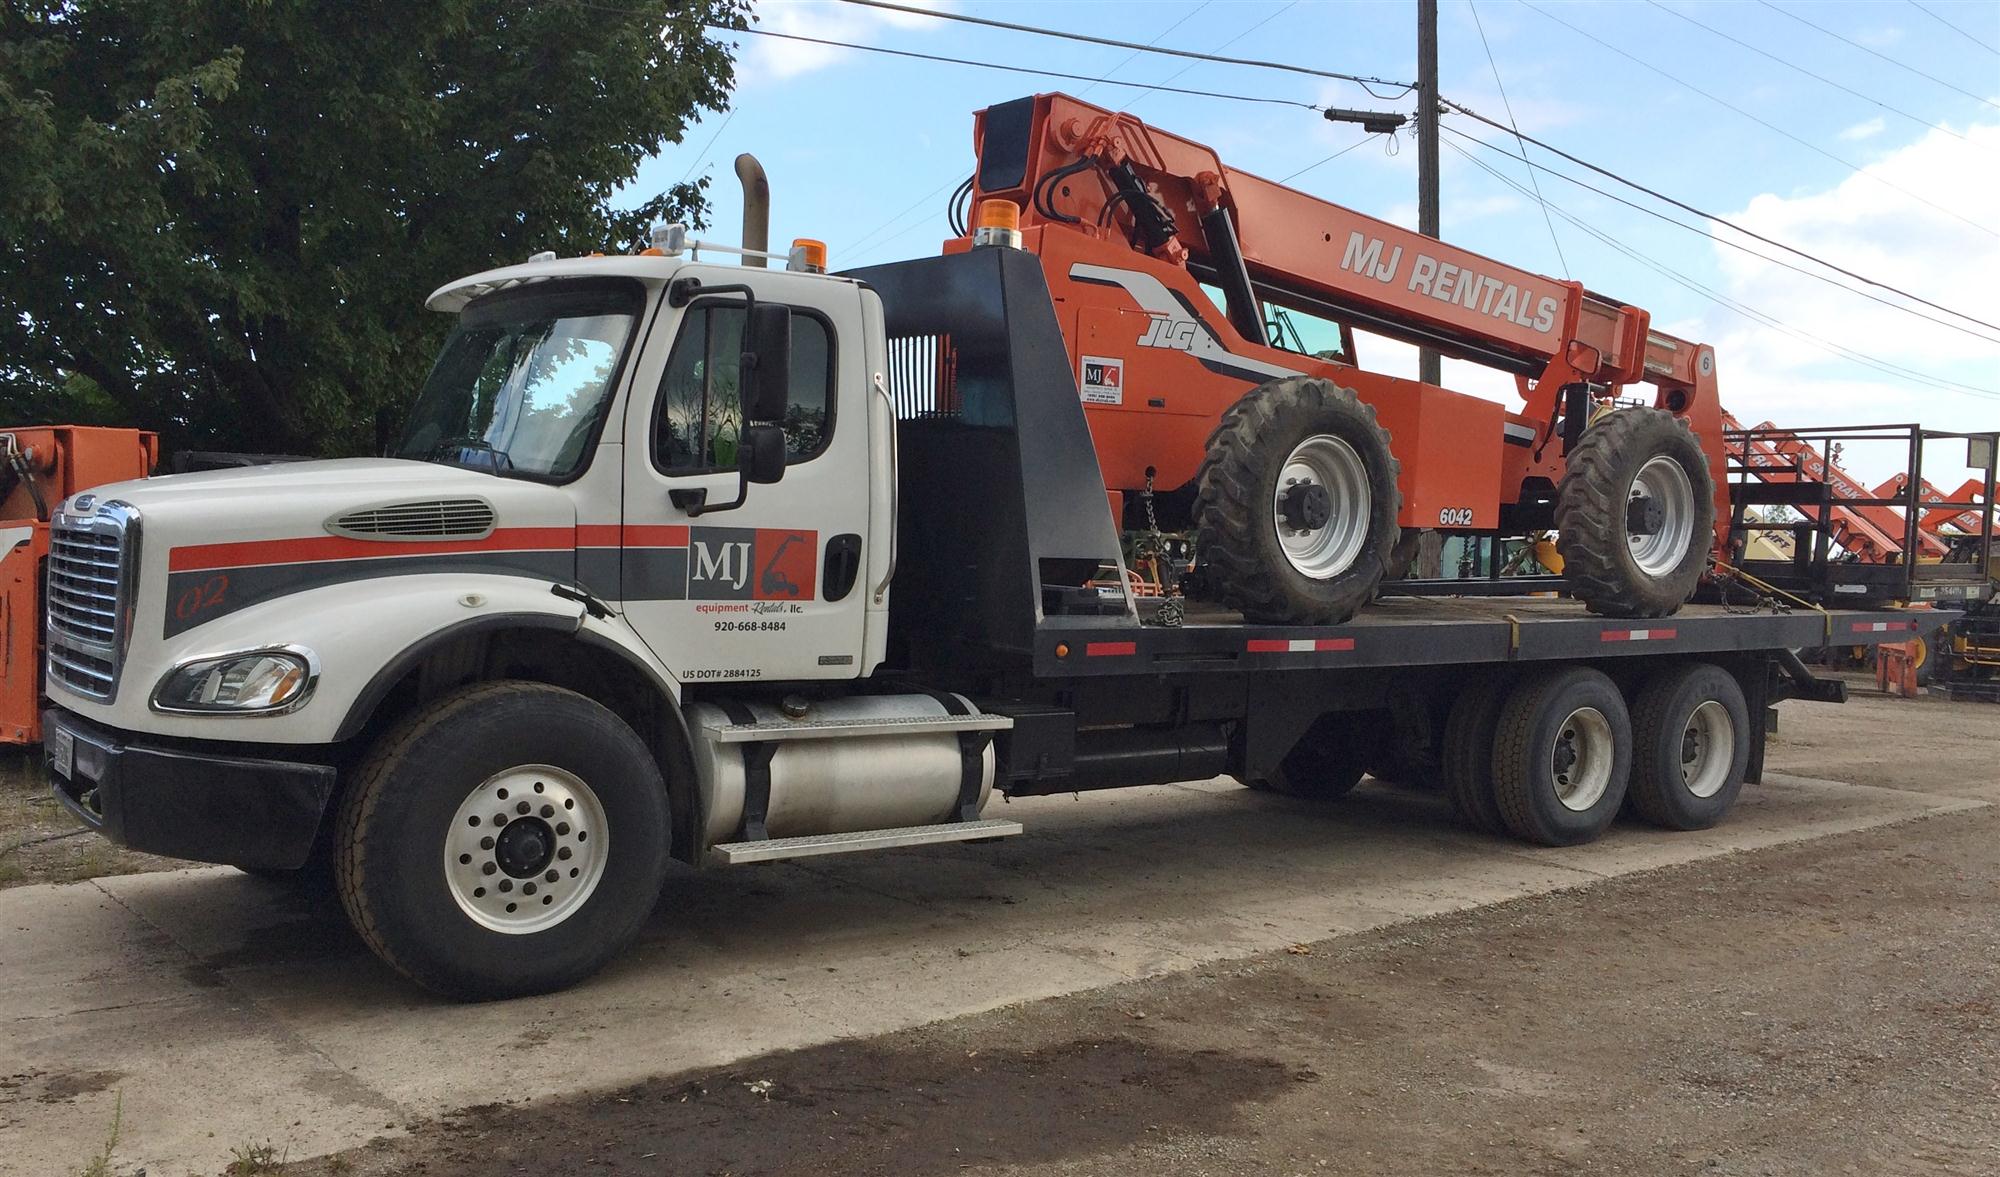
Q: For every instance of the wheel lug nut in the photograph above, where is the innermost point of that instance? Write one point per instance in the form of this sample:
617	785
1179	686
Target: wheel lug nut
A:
486	843
506	884
550	877
563	854
488	869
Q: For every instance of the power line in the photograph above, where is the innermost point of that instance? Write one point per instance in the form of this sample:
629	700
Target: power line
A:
1709	216
1018	69
1727	105
1720	240
1329	159
1358	79
1515	123
869	236
1814	76
710	146
1874	53
1134	55
1954	28
1267	19
1744	309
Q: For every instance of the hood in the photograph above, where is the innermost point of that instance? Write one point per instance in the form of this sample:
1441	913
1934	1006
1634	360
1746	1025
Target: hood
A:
218	541
302	500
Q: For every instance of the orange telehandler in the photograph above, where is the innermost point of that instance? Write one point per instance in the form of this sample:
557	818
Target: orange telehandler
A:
1208	315
39	468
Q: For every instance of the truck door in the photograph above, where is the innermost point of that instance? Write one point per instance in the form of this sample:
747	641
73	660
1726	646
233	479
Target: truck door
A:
770	589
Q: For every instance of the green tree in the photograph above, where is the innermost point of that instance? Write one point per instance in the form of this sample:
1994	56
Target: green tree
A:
220	218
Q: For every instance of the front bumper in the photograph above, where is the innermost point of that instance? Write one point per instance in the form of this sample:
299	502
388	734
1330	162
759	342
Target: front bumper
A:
185	800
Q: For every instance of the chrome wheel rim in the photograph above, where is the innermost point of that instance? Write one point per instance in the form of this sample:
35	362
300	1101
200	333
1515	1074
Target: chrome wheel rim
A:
1708	745
526	849
1580	762
1321	506
1662	482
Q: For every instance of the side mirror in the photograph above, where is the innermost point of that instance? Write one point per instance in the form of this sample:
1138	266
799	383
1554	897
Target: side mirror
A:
767	367
760	456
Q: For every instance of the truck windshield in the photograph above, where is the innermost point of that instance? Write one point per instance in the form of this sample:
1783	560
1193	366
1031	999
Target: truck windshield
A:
523	380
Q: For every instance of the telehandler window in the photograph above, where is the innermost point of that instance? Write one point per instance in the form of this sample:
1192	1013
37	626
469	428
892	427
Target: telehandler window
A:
700	414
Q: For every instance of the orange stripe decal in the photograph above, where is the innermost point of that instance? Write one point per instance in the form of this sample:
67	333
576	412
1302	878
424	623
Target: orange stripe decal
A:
314	549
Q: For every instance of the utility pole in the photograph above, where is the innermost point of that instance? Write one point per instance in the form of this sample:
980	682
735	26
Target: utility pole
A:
1429	369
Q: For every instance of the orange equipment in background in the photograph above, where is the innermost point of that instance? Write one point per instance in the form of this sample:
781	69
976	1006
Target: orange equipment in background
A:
40	466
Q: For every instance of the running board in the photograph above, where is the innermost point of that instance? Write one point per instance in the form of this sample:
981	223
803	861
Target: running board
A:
758	733
770	849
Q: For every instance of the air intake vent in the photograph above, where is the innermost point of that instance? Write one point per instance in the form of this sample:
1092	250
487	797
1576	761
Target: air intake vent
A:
436	519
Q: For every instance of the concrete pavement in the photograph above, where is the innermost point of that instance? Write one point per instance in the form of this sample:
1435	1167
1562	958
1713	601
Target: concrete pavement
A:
222	1013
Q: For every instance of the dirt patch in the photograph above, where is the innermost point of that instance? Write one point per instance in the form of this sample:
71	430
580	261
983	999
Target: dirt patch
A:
1822	1008
56	1087
41	843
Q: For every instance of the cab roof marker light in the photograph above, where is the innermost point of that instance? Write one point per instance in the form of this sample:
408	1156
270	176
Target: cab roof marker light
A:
807	257
997	222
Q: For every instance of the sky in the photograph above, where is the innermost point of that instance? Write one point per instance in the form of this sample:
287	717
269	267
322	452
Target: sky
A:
1871	164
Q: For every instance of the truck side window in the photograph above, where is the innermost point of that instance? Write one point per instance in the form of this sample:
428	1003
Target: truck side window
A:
700	413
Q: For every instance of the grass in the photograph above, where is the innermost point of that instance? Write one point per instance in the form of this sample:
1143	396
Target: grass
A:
100	1165
254	1160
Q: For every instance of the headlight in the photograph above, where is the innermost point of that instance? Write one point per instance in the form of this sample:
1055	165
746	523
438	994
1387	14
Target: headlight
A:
255	682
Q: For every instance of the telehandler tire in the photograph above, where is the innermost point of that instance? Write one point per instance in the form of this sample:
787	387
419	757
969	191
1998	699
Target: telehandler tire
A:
506	840
1296	504
1635	514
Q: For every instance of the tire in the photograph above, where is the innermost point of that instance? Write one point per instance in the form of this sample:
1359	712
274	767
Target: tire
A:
1694	710
567	760
1336	556
1468	754
1575	710
1613	571
1327	762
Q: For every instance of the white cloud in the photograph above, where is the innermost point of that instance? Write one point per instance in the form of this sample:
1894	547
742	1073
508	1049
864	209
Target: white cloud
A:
773	58
1871	229
1867	129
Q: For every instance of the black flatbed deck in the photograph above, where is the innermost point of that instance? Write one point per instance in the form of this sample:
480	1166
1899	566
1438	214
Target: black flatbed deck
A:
1445	631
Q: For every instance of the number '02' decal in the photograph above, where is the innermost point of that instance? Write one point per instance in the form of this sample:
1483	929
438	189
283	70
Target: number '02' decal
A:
1455	517
198	597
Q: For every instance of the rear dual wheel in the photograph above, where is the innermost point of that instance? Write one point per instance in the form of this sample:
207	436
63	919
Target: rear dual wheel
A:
1562	756
1691	727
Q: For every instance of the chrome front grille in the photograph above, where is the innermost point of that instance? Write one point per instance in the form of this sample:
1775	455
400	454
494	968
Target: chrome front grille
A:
89	599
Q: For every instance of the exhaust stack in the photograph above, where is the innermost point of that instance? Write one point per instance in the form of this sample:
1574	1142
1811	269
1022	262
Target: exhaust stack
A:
756	208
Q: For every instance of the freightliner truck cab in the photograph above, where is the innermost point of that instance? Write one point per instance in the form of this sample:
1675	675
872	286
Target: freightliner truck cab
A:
462	679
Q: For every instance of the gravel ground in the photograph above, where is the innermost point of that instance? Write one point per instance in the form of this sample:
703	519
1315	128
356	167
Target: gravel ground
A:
1831	1007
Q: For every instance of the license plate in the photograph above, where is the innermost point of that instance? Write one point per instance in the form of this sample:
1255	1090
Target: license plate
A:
61	748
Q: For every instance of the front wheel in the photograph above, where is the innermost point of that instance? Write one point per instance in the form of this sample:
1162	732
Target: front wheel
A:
506	840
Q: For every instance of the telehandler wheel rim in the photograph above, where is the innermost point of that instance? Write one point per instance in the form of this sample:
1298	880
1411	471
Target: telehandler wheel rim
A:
1580	762
1666	486
1321	506
526	849
1708	746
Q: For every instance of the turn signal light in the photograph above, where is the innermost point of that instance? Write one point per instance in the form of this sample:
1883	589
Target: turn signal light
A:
997	222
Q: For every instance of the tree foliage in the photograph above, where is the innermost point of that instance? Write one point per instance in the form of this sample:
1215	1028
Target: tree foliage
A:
220	218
